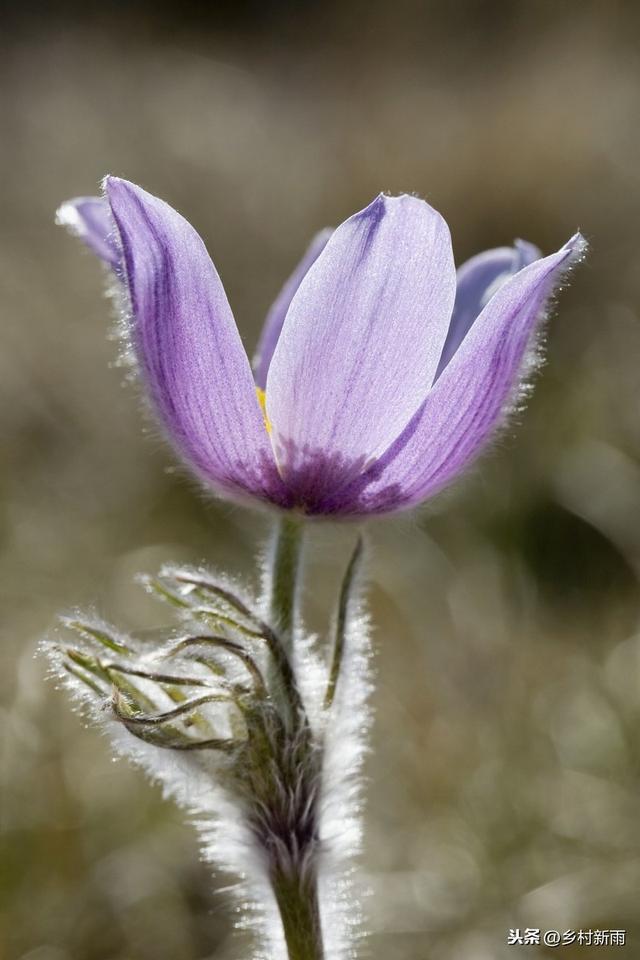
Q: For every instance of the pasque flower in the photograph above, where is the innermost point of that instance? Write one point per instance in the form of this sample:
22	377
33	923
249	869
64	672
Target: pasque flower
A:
381	372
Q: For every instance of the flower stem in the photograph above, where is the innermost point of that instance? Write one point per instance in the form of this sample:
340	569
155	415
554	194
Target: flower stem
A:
297	899
285	570
294	881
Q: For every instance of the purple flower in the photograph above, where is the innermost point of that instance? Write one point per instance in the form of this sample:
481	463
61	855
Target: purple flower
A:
380	375
90	219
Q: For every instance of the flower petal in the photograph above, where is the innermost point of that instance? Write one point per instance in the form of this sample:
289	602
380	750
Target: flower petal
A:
89	218
188	346
275	317
477	281
362	338
469	399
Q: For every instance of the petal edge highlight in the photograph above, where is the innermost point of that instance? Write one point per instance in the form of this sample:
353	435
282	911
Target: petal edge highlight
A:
466	404
89	219
188	346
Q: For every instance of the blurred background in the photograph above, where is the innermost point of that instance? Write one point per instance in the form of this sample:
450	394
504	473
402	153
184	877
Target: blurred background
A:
504	784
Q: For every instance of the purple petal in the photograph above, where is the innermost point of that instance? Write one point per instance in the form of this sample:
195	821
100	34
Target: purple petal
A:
188	346
477	281
275	317
89	218
362	338
468	401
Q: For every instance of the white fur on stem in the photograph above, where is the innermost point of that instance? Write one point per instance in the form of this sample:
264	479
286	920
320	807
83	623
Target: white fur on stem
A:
130	687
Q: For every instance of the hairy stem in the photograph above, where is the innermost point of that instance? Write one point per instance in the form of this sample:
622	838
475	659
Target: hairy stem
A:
294	882
283	575
297	899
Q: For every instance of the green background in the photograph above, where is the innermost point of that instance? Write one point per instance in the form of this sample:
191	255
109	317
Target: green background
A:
504	782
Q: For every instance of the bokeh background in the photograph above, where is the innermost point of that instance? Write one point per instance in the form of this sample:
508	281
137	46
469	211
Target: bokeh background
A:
504	784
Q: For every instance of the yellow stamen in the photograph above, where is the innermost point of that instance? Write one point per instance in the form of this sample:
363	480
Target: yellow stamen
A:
262	400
